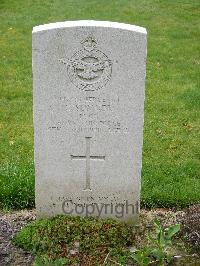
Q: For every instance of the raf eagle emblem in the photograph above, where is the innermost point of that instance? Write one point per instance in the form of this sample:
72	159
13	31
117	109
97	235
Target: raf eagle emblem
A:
89	69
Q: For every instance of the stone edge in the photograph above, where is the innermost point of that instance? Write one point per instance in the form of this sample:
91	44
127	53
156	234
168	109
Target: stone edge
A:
89	23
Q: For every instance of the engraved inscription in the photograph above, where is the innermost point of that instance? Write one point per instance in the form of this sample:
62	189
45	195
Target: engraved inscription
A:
86	114
89	69
87	157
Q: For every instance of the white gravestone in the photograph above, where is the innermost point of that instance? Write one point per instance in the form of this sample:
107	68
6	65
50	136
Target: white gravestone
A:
88	79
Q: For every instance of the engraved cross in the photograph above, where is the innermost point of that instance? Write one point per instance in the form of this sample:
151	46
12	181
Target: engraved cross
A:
88	157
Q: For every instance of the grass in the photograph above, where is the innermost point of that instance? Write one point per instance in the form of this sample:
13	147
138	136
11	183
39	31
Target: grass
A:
74	239
86	241
171	165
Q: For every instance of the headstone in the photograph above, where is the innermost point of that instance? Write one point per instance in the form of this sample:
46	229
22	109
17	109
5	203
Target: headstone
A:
88	79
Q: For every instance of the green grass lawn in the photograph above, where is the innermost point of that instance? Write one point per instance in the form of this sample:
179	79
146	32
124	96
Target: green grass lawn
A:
171	165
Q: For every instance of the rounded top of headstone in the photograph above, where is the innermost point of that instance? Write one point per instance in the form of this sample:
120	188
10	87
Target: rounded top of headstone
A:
89	23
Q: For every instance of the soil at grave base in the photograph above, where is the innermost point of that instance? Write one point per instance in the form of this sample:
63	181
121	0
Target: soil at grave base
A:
11	223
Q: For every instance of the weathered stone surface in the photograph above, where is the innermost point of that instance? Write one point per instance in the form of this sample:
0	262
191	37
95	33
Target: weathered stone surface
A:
88	79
